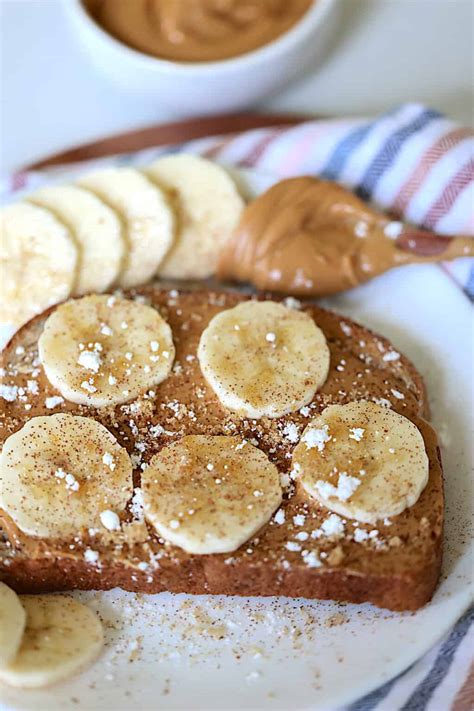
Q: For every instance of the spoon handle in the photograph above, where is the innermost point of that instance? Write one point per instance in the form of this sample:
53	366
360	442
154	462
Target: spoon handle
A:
425	246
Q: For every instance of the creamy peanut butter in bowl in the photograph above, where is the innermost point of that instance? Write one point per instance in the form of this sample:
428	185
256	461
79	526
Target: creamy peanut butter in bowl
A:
203	56
196	30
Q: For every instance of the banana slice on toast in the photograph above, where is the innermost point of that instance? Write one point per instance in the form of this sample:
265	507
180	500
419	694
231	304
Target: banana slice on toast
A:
61	475
263	359
210	494
362	460
103	350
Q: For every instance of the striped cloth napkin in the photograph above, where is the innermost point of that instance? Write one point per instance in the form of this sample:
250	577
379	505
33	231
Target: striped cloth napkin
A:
417	165
442	680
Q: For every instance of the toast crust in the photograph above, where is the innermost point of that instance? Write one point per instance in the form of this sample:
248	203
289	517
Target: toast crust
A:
396	567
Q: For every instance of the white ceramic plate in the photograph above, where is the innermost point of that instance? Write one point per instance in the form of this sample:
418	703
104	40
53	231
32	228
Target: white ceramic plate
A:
181	652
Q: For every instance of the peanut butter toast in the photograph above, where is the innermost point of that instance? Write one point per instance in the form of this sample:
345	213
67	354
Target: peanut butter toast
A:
284	522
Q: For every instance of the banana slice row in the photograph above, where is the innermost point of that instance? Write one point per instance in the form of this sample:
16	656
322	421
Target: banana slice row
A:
205	494
104	350
45	639
63	476
116	227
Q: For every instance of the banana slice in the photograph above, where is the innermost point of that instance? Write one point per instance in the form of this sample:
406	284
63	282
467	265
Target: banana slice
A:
208	207
97	230
38	260
362	461
148	218
12	624
62	474
103	350
61	638
210	494
263	359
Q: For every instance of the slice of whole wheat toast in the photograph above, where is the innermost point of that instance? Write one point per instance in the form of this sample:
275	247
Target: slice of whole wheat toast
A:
395	566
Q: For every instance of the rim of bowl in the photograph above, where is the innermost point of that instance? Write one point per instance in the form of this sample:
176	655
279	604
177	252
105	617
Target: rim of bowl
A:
308	22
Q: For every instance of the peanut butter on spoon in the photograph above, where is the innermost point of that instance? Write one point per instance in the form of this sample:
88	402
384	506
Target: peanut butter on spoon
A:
311	237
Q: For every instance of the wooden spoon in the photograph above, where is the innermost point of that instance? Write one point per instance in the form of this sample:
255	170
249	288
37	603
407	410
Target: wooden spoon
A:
311	237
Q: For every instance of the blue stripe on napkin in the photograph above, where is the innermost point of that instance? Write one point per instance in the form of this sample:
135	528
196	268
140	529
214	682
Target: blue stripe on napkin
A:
424	691
390	150
343	151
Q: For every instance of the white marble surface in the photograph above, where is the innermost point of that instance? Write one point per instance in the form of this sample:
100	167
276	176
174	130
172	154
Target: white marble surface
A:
386	52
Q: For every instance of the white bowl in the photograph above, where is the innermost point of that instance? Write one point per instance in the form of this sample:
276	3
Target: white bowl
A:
194	88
